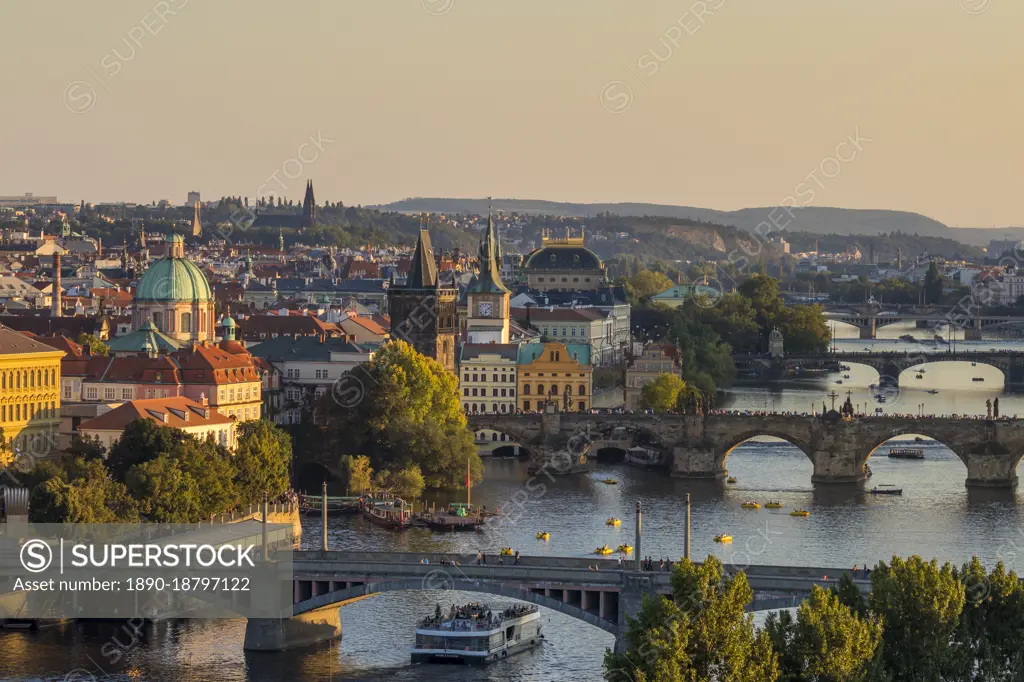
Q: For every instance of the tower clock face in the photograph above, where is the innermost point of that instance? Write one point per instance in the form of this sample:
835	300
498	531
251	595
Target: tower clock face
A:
486	310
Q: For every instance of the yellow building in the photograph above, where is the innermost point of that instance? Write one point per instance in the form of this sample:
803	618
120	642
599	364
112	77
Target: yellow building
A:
554	371
29	395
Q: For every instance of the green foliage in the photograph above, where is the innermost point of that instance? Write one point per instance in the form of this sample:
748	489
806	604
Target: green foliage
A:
95	346
702	633
406	483
850	595
358	473
142	440
920	605
86	448
81	491
830	643
990	635
263	460
410	415
662	393
214	471
645	284
165	491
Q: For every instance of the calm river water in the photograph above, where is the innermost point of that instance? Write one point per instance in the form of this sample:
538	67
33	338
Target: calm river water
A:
936	516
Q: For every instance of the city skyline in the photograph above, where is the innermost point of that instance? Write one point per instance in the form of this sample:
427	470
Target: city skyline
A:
716	104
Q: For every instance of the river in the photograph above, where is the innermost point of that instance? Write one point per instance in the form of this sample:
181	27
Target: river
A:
936	516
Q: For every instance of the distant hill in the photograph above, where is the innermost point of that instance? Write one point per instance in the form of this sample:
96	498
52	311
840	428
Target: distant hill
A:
811	219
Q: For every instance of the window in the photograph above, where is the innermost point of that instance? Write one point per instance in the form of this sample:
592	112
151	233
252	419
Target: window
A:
158	320
298	374
495	379
526	389
512	391
67	393
474	377
109	393
540	389
582	390
573	330
563	331
494	393
186	322
503	409
582	406
526	404
503	393
465	392
583	331
90	394
126	394
551	356
465	377
474	392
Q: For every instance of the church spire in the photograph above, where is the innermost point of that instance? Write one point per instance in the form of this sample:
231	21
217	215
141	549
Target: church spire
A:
197	226
309	206
423	274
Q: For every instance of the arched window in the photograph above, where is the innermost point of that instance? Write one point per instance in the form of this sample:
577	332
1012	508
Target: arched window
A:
186	322
494	437
474	407
551	355
53	377
558	354
583	389
554	389
503	409
540	389
3	380
494	409
39	377
526	389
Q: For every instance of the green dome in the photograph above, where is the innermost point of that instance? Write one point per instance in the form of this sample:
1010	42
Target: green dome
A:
228	322
173	280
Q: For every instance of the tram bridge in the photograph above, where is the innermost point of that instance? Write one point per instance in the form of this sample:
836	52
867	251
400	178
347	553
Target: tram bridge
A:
698	446
324	581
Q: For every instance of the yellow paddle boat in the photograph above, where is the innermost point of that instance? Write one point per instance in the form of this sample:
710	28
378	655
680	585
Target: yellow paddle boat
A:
613	522
750	505
799	512
543	535
610	481
603	550
731	479
624	549
506	551
723	538
773	505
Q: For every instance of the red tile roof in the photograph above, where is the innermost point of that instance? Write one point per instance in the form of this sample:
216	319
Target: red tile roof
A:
176	412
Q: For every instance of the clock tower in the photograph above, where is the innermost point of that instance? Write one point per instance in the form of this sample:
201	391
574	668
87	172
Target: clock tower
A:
487	299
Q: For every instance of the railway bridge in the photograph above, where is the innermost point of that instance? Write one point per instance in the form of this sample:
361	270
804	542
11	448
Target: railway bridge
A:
698	446
327	580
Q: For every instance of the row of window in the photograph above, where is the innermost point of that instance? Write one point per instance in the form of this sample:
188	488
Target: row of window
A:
554	390
28	411
554	375
482	436
297	374
482	407
28	378
505	392
564	279
494	377
186	322
554	331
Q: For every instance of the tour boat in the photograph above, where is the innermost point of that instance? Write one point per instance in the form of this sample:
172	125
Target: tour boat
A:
731	479
933	391
907	453
886	489
476	635
773	505
624	549
543	535
750	505
386	511
613	522
603	550
799	512
723	538
846	376
643	457
459	516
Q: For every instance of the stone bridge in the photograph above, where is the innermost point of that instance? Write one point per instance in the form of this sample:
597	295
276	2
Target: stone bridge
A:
324	581
868	318
839	449
1010	363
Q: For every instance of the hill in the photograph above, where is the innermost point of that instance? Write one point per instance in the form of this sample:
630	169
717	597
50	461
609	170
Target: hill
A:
812	219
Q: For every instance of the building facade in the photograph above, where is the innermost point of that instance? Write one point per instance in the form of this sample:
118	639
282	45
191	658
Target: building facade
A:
487	377
563	264
556	372
29	394
655	359
175	296
194	418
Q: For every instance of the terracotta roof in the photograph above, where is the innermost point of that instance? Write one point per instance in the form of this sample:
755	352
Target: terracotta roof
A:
205	364
175	412
284	325
366	323
61	343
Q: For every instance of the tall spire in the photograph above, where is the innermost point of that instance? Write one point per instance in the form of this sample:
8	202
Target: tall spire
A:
58	305
309	206
197	226
124	256
423	274
488	280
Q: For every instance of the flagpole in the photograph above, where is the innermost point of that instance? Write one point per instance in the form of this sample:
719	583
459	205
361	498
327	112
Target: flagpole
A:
468	482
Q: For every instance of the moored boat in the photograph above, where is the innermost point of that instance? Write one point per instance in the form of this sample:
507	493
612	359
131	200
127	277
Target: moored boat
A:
907	453
313	505
459	516
731	479
886	489
643	457
386	511
476	635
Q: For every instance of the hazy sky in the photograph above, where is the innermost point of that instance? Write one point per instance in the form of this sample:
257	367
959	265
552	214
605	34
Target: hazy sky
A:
575	100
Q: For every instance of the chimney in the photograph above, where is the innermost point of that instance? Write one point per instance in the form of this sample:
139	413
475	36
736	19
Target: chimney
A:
99	248
203	400
58	303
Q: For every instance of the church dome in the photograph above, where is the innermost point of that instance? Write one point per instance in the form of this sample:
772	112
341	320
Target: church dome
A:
173	280
562	258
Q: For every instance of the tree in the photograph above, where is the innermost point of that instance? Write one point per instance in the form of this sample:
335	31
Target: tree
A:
360	473
662	393
933	284
831	642
82	492
213	470
920	605
850	595
86	448
95	346
410	414
990	636
141	441
702	633
646	283
165	491
406	483
263	459
6	452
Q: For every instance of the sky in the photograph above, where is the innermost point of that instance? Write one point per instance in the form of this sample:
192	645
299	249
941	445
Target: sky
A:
719	104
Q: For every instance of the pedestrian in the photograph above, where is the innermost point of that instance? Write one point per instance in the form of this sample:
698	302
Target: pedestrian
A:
479	557
517	557
484	556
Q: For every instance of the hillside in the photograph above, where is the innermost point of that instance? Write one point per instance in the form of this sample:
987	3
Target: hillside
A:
810	219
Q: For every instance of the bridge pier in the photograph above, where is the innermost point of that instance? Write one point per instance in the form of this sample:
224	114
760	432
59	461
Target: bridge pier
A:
282	634
697	463
837	466
867	332
991	471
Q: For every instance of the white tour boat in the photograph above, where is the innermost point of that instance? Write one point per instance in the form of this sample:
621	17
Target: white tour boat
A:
643	457
476	635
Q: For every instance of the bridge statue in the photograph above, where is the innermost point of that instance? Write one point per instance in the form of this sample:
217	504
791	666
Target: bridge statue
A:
697	446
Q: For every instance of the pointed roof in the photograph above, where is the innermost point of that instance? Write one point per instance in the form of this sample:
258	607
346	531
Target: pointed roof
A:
489	279
197	225
424	270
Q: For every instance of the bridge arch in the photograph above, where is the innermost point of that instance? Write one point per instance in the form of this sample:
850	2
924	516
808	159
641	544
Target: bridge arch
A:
723	452
890	442
995	377
447	582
